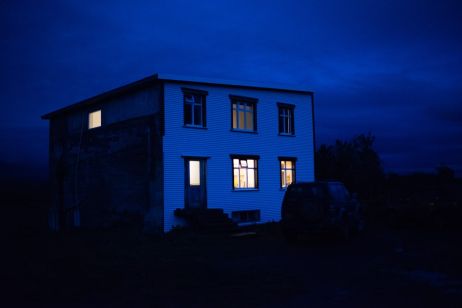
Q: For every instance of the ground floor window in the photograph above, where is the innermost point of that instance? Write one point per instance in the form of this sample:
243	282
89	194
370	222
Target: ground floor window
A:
246	216
245	172
287	167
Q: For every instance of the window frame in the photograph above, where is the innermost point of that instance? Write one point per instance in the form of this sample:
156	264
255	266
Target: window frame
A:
290	108
203	105
293	160
243	100
240	157
246	216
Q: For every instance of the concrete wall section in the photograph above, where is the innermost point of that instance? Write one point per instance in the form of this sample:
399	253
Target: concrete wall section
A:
112	173
137	103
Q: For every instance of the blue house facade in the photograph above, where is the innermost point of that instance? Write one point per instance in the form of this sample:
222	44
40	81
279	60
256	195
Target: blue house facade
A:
146	150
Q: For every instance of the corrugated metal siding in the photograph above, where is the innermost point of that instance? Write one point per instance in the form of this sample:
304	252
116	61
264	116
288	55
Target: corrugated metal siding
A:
218	142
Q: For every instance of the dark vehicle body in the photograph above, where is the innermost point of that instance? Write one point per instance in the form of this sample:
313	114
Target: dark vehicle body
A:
318	207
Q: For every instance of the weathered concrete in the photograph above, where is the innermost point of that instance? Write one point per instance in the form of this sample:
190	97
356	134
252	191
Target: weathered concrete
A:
108	175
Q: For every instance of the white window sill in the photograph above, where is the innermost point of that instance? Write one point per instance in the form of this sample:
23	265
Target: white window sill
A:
286	135
245	189
195	126
248	131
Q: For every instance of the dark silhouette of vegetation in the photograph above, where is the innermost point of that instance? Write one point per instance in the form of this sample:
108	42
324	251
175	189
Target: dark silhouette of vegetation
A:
430	200
24	198
353	162
445	174
414	200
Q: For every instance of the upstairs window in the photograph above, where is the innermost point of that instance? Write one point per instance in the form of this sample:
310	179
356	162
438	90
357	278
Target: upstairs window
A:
286	119
94	119
245	172
243	113
287	167
194	107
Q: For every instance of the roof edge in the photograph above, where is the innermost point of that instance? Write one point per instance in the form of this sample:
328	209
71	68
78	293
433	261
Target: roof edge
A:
233	83
101	96
173	78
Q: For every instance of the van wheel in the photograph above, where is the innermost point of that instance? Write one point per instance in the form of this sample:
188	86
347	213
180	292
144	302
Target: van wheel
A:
290	236
345	230
361	225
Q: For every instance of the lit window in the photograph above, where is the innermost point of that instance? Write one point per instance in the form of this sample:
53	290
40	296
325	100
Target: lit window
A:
194	107
286	119
245	173
194	173
94	119
244	114
287	167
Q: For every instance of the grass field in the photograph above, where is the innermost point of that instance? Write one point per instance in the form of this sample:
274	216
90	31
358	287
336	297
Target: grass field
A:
125	268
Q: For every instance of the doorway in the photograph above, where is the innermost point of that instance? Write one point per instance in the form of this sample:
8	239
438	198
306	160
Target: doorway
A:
195	183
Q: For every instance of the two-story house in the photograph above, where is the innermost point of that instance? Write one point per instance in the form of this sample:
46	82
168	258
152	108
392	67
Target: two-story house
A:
141	151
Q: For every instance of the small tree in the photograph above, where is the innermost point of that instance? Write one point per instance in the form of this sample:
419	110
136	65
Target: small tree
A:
445	174
353	162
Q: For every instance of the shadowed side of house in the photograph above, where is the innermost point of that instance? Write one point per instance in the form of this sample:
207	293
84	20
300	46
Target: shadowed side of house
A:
108	169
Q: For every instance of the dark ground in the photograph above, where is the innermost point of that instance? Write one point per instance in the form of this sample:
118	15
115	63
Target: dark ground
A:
123	268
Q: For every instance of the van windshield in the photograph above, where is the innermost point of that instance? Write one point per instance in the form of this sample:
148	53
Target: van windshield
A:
338	192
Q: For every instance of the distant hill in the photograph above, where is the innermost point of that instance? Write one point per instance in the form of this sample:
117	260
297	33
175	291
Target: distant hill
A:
23	172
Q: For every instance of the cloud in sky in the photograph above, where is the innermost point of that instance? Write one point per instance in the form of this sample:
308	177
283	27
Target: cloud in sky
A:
393	68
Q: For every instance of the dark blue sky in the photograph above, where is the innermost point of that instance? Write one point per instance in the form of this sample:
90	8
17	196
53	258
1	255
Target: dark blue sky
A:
392	68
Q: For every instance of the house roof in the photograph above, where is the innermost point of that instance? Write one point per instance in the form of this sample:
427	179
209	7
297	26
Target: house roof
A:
173	78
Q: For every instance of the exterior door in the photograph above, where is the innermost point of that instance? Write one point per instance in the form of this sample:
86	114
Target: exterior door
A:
195	183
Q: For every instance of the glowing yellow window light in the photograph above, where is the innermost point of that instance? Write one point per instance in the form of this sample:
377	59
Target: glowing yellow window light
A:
94	119
194	173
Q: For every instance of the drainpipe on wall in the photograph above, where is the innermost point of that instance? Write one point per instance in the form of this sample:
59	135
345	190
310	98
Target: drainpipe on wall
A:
76	208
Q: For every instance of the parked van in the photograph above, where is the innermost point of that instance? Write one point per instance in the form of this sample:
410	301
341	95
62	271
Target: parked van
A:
320	207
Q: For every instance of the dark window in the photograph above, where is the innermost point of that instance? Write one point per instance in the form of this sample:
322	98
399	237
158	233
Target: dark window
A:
243	113
287	167
286	119
246	216
245	172
194	107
